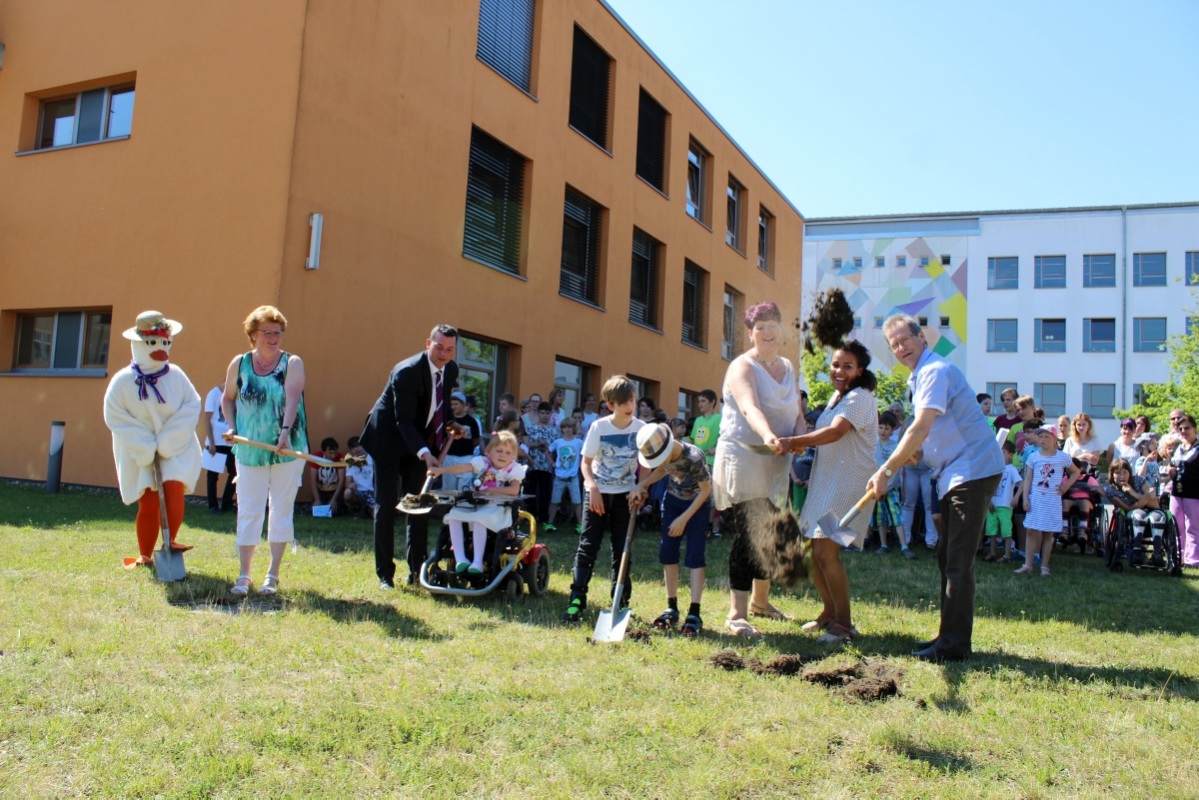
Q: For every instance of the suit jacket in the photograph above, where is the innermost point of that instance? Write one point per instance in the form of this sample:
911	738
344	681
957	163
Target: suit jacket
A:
396	425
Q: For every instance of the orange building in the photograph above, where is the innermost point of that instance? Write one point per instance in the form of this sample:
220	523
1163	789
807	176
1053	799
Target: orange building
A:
527	171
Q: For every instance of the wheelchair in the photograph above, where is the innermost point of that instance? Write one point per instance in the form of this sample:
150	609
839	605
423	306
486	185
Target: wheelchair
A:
1082	529
1142	544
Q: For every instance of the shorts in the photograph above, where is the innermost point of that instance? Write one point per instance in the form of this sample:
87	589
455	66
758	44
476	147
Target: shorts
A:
888	511
999	522
696	533
568	485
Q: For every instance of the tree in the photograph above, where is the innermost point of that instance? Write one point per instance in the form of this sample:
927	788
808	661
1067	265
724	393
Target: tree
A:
1182	389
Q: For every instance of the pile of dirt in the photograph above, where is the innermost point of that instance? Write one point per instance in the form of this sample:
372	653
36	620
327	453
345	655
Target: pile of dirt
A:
779	665
778	544
865	680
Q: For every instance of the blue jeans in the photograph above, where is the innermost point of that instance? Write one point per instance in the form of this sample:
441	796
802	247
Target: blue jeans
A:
917	485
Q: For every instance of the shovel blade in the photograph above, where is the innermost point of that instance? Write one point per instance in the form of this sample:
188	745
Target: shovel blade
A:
832	529
611	625
168	566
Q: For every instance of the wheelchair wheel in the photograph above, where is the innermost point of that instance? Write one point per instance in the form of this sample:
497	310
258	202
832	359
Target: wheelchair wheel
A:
1098	530
537	575
1112	546
1173	548
514	588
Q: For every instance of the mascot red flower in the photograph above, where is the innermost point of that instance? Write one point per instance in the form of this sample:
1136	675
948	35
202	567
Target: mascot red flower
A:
152	410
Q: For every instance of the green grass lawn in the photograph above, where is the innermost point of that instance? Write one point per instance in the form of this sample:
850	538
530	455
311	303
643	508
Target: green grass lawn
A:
112	684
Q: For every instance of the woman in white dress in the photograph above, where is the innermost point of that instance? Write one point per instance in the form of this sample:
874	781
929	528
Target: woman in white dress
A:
845	439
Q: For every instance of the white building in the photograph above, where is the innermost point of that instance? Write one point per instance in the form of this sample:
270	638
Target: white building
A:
1070	306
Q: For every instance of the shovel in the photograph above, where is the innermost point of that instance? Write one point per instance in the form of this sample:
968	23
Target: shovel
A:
423	502
838	529
168	563
611	624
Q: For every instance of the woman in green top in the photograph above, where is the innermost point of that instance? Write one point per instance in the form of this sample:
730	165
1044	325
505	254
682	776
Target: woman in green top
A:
264	401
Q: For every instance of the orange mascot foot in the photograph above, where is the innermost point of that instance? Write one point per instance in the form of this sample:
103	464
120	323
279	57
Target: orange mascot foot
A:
181	548
132	563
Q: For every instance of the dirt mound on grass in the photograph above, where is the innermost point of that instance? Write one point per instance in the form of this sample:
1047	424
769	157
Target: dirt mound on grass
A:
779	665
865	680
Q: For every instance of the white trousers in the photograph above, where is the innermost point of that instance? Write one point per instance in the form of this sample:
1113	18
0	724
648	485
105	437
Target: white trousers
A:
255	485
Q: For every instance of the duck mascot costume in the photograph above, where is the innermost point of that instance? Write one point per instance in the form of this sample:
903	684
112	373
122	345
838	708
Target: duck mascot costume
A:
152	410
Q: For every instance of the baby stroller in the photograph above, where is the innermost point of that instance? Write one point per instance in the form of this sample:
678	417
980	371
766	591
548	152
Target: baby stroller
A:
1143	541
513	559
1080	528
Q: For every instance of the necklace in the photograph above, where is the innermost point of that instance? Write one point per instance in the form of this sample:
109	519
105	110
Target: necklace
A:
262	365
768	364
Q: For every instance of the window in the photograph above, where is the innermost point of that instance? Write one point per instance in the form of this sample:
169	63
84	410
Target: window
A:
880	261
1049	396
1050	336
996	388
643	292
945	259
1098	271
574	380
697	181
506	39
836	263
765	240
734	302
1003	273
923	321
944	322
857	263
878	323
1098	399
734	225
1192	267
688	404
1148	269
83	117
1099	335
1138	394
482	373
494	200
695	291
63	340
901	261
1050	272
857	322
645	388
1192	322
1148	334
651	142
581	222
1002	336
590	68
924	261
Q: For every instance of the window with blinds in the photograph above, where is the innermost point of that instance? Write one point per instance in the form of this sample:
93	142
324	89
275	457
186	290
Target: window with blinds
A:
590	69
580	248
506	38
494	199
651	142
695	287
643	292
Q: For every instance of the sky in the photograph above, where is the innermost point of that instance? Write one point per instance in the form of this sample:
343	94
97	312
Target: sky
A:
862	107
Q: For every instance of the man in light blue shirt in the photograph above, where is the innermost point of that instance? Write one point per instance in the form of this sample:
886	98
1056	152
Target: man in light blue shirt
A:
959	446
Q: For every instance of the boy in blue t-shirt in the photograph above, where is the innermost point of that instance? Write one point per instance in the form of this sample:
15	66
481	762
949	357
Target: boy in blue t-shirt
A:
564	454
609	468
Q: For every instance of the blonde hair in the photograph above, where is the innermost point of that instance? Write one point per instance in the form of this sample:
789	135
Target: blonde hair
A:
1082	415
260	315
503	437
1165	448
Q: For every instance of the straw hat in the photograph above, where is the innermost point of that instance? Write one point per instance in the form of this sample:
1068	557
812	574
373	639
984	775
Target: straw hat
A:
152	324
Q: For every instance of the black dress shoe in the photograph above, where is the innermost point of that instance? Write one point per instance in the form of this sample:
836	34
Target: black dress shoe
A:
412	579
938	655
926	645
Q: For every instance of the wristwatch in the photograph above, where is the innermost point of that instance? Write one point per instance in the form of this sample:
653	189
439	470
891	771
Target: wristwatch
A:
888	472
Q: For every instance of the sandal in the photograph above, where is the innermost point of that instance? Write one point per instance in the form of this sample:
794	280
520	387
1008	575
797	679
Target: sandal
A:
692	626
837	634
1003	560
769	612
818	624
270	584
1024	570
1044	572
242	587
988	558
667	619
741	628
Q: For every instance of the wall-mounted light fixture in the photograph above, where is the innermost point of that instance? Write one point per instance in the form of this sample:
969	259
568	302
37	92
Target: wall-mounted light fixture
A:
317	223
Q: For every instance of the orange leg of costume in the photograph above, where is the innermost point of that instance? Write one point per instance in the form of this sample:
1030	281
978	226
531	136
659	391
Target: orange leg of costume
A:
149	521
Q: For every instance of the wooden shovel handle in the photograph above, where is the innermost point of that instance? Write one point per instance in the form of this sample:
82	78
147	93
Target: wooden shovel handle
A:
283	451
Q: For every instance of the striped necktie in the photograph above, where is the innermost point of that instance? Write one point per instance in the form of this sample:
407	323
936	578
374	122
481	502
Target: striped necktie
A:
437	424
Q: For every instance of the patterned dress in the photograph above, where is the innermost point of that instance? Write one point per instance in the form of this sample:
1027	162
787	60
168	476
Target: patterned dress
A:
261	400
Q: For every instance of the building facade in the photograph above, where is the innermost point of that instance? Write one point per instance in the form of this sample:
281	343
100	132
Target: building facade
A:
527	171
1070	306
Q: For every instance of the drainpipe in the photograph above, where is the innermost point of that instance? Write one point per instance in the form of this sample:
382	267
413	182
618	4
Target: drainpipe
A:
1124	306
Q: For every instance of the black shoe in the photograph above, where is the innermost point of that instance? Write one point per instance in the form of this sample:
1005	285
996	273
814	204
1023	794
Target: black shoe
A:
412	579
925	645
938	655
213	510
386	585
573	614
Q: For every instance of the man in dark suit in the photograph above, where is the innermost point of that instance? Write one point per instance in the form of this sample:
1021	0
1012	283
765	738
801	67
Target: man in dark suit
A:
404	434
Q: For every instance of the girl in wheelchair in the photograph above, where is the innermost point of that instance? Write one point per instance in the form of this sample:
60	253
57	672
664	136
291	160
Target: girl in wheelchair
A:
496	472
1134	497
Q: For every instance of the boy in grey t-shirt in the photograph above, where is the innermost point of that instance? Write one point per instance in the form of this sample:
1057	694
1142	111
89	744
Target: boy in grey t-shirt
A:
685	510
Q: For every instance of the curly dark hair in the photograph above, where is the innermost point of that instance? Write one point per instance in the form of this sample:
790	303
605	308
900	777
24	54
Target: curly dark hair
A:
867	379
